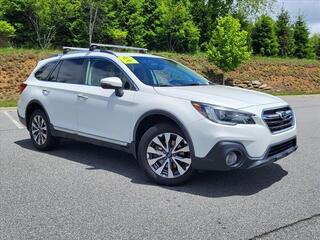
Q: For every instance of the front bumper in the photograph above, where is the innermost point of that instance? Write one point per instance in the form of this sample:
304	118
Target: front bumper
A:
216	158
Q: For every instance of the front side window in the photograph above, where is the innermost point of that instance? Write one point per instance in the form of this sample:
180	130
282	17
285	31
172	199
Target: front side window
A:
69	71
162	72
100	68
44	71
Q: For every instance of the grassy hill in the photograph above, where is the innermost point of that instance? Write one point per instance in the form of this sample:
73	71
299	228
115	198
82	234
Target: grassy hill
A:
275	75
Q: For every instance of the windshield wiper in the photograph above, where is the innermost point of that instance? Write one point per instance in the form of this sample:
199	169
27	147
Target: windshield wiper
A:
195	84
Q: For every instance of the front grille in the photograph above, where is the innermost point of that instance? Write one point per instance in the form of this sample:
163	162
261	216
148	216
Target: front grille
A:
278	119
282	147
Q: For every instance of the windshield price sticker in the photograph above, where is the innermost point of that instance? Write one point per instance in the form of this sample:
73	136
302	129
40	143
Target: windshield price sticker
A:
128	60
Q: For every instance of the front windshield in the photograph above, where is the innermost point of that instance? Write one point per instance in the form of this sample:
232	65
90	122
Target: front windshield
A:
161	72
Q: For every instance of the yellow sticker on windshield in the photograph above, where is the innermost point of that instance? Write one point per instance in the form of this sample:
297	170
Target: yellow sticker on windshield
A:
128	60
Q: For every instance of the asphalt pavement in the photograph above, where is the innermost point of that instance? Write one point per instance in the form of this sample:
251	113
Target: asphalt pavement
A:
82	191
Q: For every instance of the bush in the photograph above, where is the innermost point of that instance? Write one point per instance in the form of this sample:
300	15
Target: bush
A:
6	32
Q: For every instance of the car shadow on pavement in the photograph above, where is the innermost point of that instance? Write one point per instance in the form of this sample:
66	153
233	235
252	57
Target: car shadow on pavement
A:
208	184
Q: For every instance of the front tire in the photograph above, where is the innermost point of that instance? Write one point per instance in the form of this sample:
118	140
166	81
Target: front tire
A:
39	129
165	155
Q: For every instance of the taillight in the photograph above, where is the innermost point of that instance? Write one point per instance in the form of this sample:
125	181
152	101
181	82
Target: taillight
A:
22	87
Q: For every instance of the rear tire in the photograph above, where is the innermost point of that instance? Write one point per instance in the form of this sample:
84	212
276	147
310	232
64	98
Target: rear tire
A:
165	155
39	129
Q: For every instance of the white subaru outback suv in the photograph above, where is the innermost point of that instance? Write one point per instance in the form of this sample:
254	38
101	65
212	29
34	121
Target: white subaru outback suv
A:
171	119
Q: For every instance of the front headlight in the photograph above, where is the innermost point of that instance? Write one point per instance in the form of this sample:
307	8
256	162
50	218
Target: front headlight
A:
227	116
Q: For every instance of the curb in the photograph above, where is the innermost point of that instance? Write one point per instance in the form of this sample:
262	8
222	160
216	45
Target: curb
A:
8	108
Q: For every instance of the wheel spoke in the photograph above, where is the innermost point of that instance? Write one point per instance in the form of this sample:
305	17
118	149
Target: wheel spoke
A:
154	160
42	123
34	125
37	138
157	141
184	160
35	131
37	120
179	168
44	136
184	149
170	173
154	151
160	169
167	139
178	141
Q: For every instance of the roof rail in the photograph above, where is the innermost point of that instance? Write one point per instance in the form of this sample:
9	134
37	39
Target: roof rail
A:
98	45
69	49
91	49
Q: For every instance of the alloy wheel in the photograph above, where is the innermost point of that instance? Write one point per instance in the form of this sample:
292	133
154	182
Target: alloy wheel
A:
39	130
168	155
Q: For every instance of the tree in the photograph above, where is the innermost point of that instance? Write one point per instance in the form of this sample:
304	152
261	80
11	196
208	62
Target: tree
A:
93	14
36	21
40	14
6	32
285	34
264	40
206	12
314	44
176	29
123	22
301	37
228	47
151	23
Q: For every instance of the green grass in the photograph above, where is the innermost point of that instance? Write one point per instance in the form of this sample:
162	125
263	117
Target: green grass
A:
9	50
294	93
291	61
8	103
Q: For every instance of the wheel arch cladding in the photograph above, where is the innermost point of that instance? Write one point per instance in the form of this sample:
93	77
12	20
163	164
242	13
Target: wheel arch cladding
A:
152	118
31	107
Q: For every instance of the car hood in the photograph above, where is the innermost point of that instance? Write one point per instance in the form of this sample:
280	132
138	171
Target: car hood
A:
232	97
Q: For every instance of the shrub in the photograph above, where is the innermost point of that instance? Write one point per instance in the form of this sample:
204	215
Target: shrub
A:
6	32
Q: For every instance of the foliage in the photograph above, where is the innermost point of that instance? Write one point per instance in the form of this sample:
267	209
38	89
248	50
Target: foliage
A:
206	12
170	25
228	47
285	34
301	37
264	40
6	31
315	45
178	31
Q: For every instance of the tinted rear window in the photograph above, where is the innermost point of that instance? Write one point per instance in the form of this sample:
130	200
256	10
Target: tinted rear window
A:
71	71
44	71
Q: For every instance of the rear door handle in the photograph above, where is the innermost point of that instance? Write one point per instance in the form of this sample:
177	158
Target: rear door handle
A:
45	92
82	97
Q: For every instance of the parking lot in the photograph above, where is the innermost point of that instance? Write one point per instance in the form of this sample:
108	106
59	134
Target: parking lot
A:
82	191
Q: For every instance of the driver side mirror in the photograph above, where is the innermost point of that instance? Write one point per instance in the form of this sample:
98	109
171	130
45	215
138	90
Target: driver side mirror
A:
113	83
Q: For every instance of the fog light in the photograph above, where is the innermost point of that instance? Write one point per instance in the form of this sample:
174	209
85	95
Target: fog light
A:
231	158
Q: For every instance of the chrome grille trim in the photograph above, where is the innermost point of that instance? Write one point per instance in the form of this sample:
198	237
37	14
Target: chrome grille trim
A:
278	119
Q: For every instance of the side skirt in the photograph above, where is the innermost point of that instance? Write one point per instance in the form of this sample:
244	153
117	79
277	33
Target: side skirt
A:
128	148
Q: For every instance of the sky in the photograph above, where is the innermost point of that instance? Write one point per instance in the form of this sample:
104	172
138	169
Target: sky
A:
310	9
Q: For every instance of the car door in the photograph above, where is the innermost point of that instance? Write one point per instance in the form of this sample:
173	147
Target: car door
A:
61	93
101	114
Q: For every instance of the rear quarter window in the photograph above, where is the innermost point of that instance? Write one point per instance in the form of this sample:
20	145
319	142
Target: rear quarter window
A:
44	71
70	71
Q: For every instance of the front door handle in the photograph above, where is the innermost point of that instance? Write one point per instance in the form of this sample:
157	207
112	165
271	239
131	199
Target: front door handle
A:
82	97
45	92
